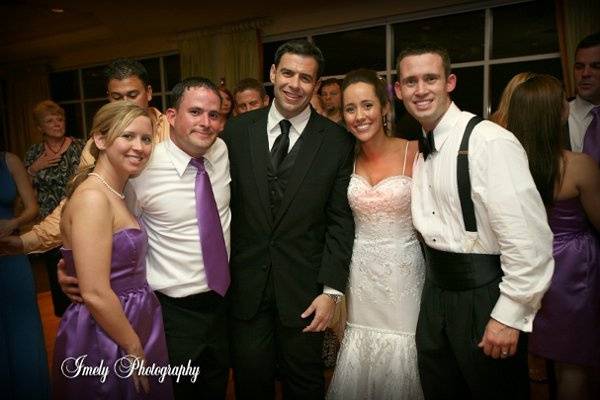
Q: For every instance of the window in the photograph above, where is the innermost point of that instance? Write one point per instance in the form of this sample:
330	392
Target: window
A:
486	46
82	92
345	50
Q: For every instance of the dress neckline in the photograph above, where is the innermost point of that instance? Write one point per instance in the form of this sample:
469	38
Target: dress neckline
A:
387	178
115	233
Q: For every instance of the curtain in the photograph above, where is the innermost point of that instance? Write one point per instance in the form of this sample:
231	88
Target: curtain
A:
575	20
231	52
24	88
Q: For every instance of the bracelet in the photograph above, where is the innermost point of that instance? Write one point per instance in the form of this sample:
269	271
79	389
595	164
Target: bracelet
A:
335	297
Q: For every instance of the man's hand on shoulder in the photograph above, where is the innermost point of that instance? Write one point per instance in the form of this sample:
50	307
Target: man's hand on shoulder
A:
499	340
323	307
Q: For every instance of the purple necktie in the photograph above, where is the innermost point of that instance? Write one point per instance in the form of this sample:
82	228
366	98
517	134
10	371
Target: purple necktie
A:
212	243
591	140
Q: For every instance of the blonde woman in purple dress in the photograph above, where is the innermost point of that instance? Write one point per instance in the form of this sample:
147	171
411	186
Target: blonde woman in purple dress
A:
119	322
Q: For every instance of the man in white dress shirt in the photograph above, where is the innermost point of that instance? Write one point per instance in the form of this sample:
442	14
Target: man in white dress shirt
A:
586	72
484	284
164	194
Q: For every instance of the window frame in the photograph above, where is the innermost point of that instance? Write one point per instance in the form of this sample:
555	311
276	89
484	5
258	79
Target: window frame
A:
388	22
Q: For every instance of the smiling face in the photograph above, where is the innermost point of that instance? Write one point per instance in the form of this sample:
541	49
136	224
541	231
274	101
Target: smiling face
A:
424	88
129	152
196	122
52	125
363	112
586	72
294	81
131	89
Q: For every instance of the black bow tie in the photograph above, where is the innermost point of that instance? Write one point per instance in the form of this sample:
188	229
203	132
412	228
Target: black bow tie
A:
427	144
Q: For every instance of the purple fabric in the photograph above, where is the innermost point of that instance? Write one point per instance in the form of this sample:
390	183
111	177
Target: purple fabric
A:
79	334
214	252
591	140
567	327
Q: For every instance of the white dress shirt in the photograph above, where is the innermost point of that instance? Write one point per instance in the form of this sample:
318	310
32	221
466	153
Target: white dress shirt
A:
580	117
298	122
511	219
165	197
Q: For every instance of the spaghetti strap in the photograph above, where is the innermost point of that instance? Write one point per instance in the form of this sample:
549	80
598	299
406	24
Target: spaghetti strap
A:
405	153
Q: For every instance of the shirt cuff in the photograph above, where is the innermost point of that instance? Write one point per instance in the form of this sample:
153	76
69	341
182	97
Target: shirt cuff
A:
328	290
31	242
513	314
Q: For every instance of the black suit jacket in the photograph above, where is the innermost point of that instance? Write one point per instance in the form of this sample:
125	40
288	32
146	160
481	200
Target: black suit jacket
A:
308	242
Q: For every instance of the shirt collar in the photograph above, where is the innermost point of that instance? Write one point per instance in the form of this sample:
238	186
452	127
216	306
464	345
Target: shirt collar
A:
298	122
445	126
580	108
181	159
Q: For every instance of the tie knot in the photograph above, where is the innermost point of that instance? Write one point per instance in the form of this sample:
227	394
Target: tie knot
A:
285	125
595	112
198	163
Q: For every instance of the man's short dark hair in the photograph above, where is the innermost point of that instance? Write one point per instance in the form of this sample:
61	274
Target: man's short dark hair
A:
330	81
250	84
192	82
592	40
425	48
301	47
123	68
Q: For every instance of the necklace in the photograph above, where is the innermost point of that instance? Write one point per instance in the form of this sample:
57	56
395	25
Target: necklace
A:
59	147
101	179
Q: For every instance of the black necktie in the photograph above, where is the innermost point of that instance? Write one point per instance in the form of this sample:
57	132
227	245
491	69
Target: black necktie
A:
427	144
281	145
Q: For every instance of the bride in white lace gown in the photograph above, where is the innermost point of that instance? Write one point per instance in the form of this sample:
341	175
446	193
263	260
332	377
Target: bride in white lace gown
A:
378	356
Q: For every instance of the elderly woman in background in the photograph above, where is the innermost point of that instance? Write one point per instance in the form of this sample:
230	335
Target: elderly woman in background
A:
50	165
23	364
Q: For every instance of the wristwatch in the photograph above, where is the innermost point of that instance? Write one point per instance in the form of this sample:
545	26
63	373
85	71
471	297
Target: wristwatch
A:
335	297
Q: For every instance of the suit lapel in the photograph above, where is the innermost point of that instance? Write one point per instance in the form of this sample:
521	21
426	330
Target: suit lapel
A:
312	136
259	145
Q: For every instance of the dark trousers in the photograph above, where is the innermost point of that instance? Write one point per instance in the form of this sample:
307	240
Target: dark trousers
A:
60	301
262	348
451	365
196	330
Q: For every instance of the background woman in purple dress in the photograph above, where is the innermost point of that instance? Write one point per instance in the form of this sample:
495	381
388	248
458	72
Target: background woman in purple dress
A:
566	329
105	247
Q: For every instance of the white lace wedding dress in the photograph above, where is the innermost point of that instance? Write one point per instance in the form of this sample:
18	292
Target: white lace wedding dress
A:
378	356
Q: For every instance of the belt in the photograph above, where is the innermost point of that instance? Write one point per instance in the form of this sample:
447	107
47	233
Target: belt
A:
461	271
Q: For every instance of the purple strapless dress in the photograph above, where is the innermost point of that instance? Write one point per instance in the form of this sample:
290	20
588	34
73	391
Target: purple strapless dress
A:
567	327
85	345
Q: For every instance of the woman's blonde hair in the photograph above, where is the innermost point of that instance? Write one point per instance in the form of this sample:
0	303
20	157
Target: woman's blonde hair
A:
110	121
500	116
44	108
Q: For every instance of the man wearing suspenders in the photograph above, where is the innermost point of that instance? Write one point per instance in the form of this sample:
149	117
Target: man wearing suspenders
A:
487	244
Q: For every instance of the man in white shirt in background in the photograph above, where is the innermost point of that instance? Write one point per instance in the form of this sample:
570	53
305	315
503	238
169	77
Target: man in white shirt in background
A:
164	194
484	284
586	72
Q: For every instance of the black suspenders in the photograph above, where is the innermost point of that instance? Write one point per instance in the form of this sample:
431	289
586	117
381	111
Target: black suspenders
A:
464	179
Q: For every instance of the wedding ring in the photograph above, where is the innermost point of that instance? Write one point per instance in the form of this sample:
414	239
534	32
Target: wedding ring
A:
504	353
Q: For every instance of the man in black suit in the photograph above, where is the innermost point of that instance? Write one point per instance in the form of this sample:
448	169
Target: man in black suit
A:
292	232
